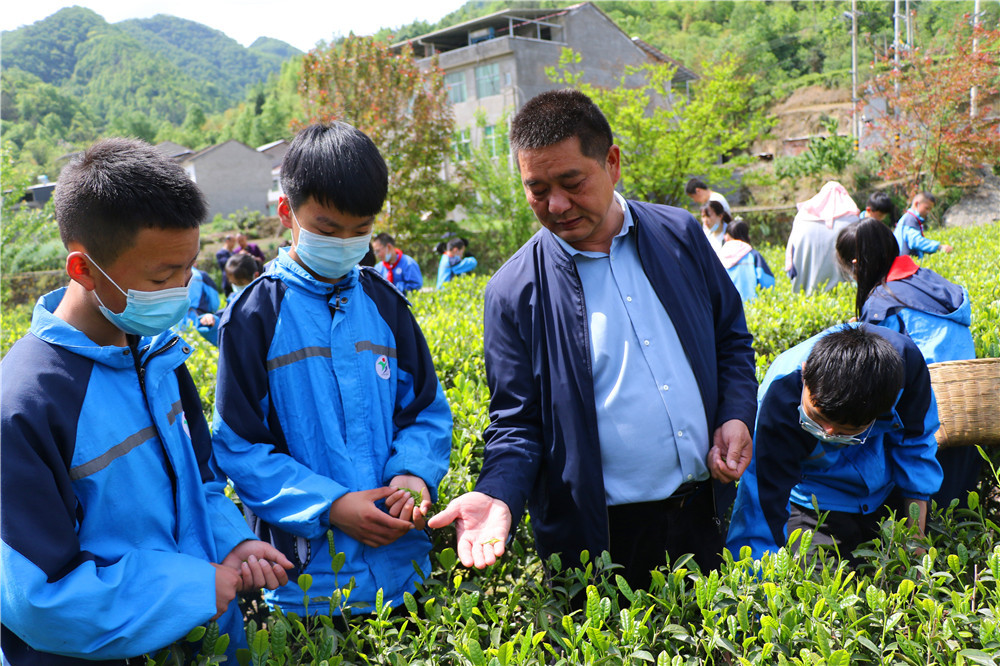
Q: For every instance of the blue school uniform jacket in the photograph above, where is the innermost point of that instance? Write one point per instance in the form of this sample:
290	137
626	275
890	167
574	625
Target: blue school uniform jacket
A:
541	447
112	508
934	312
405	274
789	464
909	233
324	390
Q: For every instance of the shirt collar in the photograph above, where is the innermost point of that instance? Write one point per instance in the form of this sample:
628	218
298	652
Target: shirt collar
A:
627	225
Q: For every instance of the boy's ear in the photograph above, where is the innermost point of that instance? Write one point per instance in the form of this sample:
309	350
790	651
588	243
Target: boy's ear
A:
285	212
79	270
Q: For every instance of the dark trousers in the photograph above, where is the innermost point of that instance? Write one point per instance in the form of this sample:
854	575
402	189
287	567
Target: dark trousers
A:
844	530
641	534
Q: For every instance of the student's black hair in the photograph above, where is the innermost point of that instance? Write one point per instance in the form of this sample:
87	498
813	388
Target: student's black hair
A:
853	374
338	166
116	188
717	208
738	230
241	267
880	202
694	184
451	245
926	195
872	244
558	115
384	239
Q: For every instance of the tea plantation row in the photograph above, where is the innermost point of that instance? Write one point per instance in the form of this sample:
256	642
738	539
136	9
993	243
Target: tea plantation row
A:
942	606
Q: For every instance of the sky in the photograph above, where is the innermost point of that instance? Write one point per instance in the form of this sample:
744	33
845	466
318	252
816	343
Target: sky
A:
301	23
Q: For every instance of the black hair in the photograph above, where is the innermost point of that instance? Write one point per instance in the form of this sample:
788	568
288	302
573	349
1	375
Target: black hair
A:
384	239
116	188
926	195
558	115
866	251
880	202
242	267
836	363
442	247
717	208
694	184
338	166
738	230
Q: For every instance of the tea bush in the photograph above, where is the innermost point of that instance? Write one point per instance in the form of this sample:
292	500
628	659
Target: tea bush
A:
941	606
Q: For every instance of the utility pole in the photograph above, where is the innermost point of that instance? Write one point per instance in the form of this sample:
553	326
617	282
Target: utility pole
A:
895	42
855	125
909	34
975	46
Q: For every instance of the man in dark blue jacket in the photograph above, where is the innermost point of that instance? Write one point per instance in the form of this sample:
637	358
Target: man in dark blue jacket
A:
620	368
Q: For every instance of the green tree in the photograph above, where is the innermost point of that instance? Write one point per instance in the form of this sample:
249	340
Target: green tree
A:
494	195
404	110
665	137
930	136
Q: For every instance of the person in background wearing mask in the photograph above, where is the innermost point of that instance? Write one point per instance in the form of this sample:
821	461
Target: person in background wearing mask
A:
453	260
327	405
241	270
855	448
401	270
714	221
118	537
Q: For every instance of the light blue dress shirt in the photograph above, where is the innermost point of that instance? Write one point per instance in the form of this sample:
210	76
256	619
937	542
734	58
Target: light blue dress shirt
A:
650	416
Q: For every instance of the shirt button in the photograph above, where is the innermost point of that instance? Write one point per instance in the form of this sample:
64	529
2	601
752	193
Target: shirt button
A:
680	433
645	342
690	476
628	298
666	387
124	352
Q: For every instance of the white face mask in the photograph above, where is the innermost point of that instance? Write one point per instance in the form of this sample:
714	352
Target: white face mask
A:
327	256
146	312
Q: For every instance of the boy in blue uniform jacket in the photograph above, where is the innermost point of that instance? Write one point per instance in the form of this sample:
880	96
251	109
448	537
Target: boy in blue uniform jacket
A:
845	417
909	230
117	536
401	270
327	402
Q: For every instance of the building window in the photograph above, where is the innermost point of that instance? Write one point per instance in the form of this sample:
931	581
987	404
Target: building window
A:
487	80
455	84
462	141
495	142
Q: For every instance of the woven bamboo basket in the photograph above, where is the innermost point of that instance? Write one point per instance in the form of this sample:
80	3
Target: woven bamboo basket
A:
968	401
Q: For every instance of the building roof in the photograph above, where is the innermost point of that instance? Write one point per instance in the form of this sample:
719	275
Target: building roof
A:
174	150
519	22
457	36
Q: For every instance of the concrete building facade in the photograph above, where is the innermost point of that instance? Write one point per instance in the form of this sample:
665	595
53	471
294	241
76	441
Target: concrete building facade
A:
494	64
232	176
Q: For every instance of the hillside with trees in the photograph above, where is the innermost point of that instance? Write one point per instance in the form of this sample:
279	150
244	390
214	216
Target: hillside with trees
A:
73	76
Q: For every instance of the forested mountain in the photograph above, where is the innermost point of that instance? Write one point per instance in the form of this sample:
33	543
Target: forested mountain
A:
73	76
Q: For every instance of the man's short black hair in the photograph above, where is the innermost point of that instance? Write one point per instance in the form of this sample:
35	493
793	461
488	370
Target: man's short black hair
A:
853	374
880	202
384	239
241	268
337	166
926	196
694	184
116	188
558	115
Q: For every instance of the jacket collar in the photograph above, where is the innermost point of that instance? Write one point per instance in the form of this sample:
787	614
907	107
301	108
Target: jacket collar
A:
290	272
48	327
